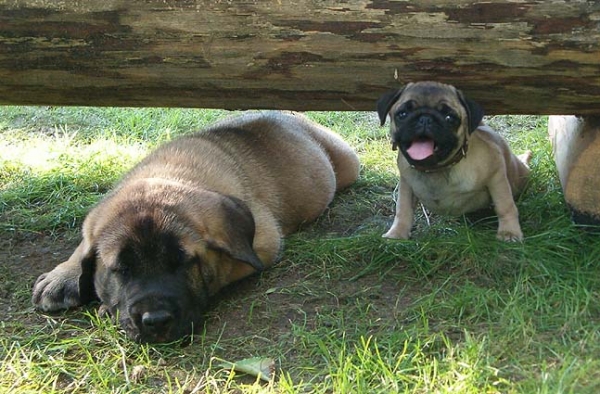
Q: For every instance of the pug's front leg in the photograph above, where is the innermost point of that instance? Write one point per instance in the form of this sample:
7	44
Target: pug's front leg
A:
509	228
405	211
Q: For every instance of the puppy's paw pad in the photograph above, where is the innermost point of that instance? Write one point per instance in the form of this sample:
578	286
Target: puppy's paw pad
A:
54	291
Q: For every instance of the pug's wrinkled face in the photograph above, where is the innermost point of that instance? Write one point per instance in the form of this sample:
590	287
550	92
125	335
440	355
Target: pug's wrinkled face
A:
430	122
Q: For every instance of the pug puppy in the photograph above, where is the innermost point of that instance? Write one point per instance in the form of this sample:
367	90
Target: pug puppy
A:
448	160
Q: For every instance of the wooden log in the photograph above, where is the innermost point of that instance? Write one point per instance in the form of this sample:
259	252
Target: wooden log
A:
576	146
513	56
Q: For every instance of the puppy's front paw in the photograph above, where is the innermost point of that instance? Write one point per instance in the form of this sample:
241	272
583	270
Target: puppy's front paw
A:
510	236
56	290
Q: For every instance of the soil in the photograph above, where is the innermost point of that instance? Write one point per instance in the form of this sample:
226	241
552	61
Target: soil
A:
263	308
22	259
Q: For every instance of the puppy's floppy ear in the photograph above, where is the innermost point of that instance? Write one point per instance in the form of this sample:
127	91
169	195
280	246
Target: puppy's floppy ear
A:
474	111
235	234
88	263
385	102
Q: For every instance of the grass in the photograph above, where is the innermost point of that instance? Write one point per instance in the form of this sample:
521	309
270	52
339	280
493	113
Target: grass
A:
450	311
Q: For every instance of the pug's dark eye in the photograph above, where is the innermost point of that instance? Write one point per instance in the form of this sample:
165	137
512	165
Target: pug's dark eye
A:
450	118
401	115
405	109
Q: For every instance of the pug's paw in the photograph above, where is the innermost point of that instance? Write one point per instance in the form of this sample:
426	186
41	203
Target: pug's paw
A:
510	236
397	233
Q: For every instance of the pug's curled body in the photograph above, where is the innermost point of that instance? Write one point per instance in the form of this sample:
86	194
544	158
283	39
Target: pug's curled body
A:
448	160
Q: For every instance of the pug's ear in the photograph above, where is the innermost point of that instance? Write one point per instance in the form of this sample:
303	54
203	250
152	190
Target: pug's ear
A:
385	102
234	234
474	111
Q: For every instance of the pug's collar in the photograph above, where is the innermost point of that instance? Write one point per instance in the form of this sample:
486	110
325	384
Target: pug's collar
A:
458	156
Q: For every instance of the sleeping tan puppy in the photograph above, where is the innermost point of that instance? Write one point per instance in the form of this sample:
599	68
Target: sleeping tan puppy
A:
199	213
448	160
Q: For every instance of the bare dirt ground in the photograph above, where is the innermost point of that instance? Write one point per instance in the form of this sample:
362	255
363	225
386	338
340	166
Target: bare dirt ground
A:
22	259
262	309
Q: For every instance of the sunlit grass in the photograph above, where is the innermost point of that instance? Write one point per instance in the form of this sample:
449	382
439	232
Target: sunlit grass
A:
450	311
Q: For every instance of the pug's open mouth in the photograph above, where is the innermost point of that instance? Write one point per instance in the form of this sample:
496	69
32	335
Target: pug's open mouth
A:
421	149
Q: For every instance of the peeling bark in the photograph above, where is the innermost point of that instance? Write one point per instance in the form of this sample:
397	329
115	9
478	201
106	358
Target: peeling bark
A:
533	57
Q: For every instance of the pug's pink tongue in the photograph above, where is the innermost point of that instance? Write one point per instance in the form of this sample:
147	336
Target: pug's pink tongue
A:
420	150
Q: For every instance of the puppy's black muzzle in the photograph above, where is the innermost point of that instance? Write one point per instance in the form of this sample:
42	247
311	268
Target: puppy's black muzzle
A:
152	318
421	125
159	320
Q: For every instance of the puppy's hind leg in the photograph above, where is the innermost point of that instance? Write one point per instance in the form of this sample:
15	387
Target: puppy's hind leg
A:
343	159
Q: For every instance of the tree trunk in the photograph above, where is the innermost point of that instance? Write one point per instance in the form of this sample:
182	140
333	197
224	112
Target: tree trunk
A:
533	57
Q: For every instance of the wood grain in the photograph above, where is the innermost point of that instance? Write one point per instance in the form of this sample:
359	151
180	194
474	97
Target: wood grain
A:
532	57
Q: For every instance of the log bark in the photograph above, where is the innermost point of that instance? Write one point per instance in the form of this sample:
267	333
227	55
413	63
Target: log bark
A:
576	146
512	56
